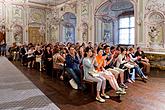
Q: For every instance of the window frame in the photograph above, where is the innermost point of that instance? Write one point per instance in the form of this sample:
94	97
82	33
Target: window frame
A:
129	28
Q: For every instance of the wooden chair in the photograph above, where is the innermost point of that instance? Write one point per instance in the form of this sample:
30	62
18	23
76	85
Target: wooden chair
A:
58	70
92	84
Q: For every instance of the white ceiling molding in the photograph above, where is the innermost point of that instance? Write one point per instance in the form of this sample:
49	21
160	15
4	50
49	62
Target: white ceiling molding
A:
48	2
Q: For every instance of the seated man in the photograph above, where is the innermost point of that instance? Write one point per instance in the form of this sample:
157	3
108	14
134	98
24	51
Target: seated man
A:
134	60
143	60
72	66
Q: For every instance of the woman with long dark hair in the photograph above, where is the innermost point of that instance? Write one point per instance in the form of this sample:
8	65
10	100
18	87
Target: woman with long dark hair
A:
48	60
89	64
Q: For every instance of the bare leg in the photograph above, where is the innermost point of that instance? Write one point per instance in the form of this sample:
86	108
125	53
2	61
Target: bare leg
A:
112	81
122	77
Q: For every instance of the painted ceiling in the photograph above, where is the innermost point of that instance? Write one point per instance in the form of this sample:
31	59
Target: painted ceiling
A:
48	2
111	9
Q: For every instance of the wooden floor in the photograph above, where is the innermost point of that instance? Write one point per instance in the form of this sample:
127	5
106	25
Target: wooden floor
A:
140	95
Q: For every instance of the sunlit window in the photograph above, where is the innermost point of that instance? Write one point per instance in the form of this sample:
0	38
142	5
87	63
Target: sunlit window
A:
126	30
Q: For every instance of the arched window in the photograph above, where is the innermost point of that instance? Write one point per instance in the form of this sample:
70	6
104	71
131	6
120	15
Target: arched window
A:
126	29
114	22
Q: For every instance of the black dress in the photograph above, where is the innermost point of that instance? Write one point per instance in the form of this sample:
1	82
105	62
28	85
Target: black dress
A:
48	64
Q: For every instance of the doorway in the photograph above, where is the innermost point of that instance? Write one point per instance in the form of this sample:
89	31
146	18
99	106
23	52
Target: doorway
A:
34	36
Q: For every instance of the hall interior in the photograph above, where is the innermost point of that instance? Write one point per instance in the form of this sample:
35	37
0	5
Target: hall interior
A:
128	23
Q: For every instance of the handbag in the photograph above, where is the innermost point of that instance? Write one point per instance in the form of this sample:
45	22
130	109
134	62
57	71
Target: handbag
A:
93	73
128	65
38	59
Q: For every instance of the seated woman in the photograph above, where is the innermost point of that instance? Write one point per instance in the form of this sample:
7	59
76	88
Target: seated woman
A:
48	60
110	54
64	52
31	57
38	55
131	70
124	61
88	65
13	51
58	60
107	74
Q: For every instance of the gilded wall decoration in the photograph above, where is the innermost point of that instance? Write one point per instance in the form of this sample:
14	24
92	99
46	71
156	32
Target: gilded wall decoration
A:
156	18
106	19
154	23
68	27
18	34
17	23
2	13
17	12
84	27
155	30
37	16
108	32
151	5
20	1
84	11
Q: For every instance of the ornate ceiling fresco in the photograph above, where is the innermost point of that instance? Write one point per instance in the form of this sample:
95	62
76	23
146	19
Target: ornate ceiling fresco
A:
112	9
48	2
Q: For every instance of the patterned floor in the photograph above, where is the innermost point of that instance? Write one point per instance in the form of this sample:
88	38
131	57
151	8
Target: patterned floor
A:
19	93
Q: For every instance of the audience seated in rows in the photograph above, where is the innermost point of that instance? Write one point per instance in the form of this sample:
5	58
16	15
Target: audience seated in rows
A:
99	63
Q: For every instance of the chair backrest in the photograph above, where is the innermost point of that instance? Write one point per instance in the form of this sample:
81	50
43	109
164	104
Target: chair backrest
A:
82	73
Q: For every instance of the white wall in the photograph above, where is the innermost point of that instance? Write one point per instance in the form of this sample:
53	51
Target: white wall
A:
148	13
